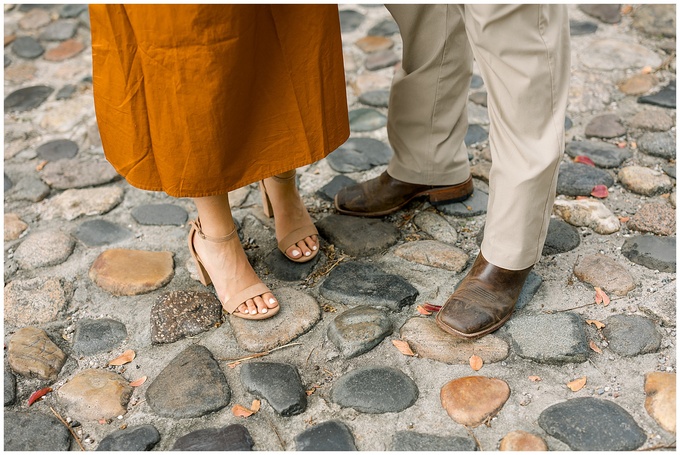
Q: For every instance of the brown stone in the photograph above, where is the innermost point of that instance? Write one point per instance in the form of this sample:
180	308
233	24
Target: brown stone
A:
521	441
35	18
95	394
374	43
21	72
72	204
64	50
430	342
605	126
655	217
660	401
31	353
481	171
132	272
14	227
474	400
603	272
651	120
645	181
638	84
434	254
34	301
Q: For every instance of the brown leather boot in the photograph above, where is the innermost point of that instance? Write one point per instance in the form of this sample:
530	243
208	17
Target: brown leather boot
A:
384	195
484	300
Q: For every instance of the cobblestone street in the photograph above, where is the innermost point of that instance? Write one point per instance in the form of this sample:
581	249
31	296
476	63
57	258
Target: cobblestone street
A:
105	316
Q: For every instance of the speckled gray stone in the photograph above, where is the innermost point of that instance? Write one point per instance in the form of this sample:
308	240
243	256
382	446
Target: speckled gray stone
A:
576	179
631	335
473	206
358	330
278	383
67	174
285	269
332	435
603	154
29	188
231	438
577	28
57	149
132	439
358	236
375	390
98	335
658	144
44	249
666	97
35	431
101	232
656	253
27	98
160	214
179	314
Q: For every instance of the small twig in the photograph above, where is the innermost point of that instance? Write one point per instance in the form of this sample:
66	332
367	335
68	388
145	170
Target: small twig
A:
310	354
596	367
259	354
281	442
662	446
568	309
479	446
68	427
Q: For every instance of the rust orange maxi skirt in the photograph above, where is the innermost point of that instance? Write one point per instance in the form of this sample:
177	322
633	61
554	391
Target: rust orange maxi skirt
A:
198	100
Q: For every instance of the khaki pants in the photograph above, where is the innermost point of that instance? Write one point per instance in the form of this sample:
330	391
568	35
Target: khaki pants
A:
523	55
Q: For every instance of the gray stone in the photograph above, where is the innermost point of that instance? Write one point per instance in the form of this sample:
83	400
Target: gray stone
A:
132	439
98	335
366	119
353	283
475	134
578	28
359	330
381	59
27	98
604	272
551	339
375	98
385	28
68	174
576	179
8	182
656	253
613	54
191	385
332	435
35	431
278	383
655	20
529	290
44	249
473	206
605	126
562	237
180	314
411	441
72	204
101	232
329	190
375	390
670	170
231	438
592	424
658	144
60	30
358	236
10	387
160	215
27	47
29	188
664	98
285	269
350	20
651	120
57	149
65	92
603	154
609	14
476	81
631	335
436	226
359	154
71	11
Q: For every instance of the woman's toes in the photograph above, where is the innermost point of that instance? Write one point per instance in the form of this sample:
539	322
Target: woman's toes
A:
261	306
252	308
294	252
270	300
312	243
243	308
306	251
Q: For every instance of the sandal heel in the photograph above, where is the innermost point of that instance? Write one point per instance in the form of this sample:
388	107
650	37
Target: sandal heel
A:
266	203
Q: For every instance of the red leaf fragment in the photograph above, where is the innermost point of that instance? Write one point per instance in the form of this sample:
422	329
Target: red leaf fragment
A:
601	297
432	308
138	382
35	396
423	311
584	160
600	191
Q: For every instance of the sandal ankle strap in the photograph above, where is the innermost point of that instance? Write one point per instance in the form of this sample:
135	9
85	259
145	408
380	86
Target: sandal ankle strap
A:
197	225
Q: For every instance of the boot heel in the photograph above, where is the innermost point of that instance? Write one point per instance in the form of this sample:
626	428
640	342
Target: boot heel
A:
455	193
266	203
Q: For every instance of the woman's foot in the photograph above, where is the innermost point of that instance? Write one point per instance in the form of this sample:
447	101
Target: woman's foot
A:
290	214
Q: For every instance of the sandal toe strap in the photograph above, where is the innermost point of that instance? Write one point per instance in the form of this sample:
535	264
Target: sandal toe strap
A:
248	293
296	235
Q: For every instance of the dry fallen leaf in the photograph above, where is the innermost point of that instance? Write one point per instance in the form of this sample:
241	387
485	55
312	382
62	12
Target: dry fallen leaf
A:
476	362
595	347
38	394
240	411
126	357
595	322
310	391
40	166
577	384
534	378
403	347
601	296
255	406
633	145
600	191
432	308
584	160
624	219
138	382
423	311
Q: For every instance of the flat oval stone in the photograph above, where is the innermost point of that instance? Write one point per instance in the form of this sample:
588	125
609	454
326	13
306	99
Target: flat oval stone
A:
233	437
652	120
430	342
358	236
375	98
411	441
381	59
68	174
655	217
10	386
191	385
589	213
592	424
136	438
298	314
578	28
32	353
663	98
27	98
160	214
59	31
576	179
656	253
386	27
27	47
353	283
98	335
34	301
370	44
521	441
180	314
638	84
473	206
132	272
645	181
604	272
474	400
612	54
29	188
332	435
366	119
434	254
658	144
350	20
13	227
35	18
552	339
44	249
57	149
660	401
358	330
338	182
35	431
475	134
66	92
605	126
436	226
561	238
72	204
603	154
95	394
631	335
101	232
278	383
375	390
65	50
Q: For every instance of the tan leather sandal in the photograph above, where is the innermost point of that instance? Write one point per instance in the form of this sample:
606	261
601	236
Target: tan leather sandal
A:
293	237
241	296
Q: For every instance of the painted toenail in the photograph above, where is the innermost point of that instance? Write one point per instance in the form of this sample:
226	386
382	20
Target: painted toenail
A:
295	253
307	253
314	247
264	310
272	300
